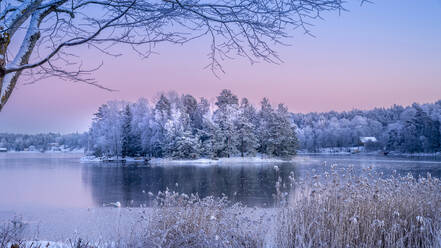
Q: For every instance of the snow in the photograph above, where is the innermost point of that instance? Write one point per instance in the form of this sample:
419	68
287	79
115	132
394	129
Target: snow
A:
112	204
66	244
24	47
201	161
336	150
368	139
183	128
12	19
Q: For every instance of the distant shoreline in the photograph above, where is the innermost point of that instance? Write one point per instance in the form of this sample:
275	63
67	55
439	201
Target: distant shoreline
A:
231	159
375	153
76	151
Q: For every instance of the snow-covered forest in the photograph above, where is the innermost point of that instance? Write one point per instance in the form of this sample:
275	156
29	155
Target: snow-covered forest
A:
182	127
412	129
43	142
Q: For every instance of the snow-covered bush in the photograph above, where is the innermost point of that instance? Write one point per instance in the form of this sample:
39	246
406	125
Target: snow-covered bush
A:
179	220
11	233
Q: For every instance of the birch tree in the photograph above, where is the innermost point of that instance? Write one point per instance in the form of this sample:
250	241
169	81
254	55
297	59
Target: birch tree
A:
38	37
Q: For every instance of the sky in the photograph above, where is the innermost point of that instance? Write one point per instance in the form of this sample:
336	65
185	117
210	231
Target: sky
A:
375	55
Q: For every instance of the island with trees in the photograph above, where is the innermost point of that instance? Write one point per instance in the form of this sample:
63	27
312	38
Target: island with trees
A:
182	127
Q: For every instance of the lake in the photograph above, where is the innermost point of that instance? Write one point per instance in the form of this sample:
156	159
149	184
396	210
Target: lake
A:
59	189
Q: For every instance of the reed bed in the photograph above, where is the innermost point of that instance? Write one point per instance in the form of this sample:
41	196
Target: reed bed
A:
342	209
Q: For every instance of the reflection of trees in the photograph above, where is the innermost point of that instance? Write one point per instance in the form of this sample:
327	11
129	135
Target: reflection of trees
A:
252	185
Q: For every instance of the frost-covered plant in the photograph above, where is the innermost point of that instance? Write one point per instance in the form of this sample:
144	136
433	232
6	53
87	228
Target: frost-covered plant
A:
179	220
11	233
341	209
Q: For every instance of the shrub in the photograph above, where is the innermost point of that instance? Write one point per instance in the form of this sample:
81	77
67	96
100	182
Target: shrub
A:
179	220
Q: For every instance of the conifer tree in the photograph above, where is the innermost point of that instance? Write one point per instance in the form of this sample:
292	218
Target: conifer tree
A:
245	129
131	145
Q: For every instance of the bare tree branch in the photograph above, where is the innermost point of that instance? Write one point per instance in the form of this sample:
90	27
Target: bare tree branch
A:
248	28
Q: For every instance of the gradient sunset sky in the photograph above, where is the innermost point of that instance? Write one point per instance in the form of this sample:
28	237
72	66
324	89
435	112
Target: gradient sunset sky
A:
374	55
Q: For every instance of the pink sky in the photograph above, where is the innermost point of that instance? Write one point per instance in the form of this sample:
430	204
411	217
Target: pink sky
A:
373	56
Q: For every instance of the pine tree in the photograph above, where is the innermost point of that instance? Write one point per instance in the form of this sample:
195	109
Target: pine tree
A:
266	129
286	139
225	137
186	146
206	137
247	140
162	114
131	145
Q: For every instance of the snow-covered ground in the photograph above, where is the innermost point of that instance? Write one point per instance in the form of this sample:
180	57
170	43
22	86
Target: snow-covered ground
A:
200	161
219	161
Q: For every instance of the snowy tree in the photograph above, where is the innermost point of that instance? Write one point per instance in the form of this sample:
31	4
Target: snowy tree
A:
225	137
131	143
141	124
185	146
246	131
285	134
405	129
178	126
42	142
207	131
190	106
266	129
106	129
38	38
162	116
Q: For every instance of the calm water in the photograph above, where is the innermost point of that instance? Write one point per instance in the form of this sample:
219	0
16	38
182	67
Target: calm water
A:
59	196
60	181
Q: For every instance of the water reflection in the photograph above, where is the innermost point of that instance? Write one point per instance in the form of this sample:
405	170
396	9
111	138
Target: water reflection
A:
30	181
251	185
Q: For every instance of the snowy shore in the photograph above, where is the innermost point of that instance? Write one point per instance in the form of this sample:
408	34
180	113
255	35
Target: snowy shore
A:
167	161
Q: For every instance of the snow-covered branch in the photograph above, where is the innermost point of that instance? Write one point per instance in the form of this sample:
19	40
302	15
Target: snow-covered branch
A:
246	28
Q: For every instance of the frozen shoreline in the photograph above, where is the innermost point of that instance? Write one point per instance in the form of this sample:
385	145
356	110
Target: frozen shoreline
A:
200	161
238	160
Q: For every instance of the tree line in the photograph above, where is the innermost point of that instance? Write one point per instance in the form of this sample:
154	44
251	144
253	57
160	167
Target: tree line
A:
182	127
411	129
43	141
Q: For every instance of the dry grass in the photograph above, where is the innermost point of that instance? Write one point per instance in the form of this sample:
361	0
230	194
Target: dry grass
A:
11	234
179	220
341	209
336	209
